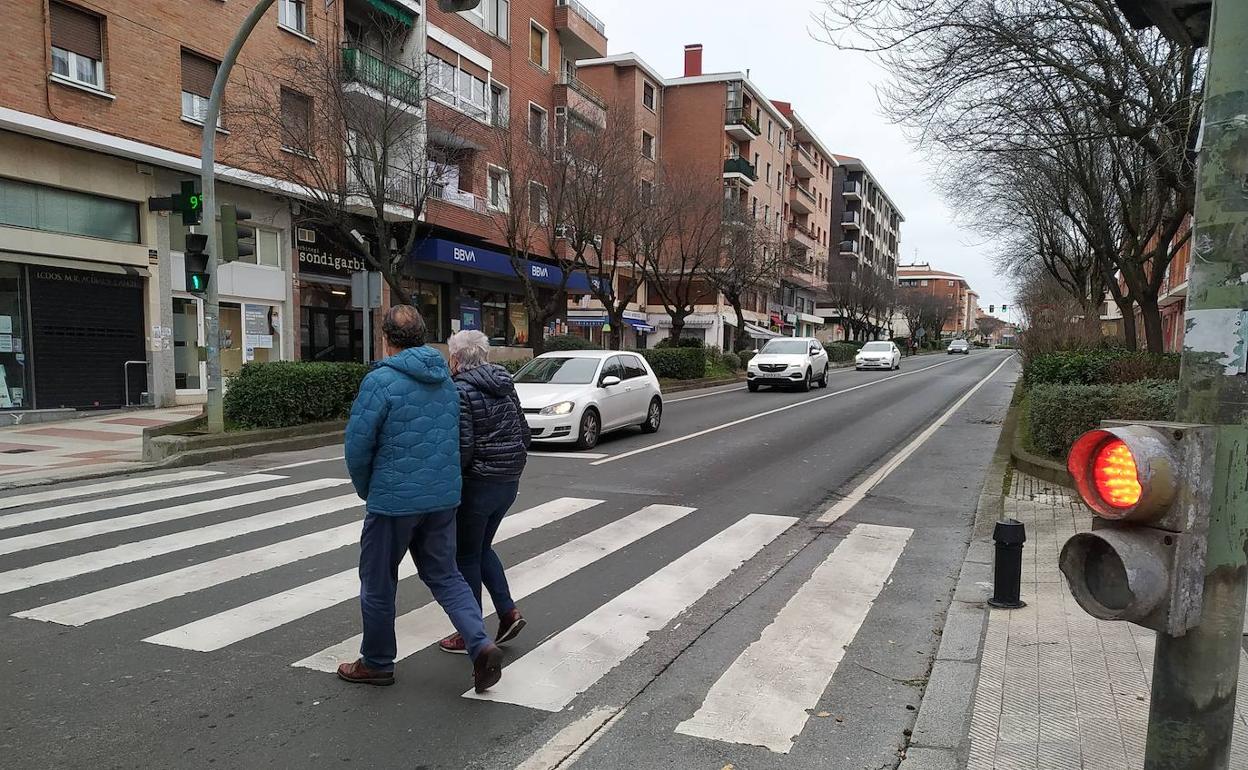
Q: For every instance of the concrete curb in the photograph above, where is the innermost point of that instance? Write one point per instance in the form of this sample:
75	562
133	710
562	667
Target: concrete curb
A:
170	450
1035	465
940	739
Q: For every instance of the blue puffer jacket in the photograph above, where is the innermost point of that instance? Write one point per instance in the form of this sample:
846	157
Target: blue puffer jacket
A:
493	434
402	444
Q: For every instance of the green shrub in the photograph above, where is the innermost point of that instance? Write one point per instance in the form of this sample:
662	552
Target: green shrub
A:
684	363
731	362
1059	414
840	352
1092	367
279	394
558	342
683	342
513	365
745	356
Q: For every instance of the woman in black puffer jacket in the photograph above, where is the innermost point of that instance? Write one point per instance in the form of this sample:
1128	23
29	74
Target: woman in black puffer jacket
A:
493	447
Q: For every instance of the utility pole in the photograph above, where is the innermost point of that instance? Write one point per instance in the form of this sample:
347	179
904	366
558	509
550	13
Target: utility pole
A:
1192	712
215	409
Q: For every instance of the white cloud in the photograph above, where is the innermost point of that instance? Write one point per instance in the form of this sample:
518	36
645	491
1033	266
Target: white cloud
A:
834	90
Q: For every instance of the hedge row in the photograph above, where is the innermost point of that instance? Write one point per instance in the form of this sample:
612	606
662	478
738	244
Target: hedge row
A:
1059	414
840	352
557	342
1094	367
683	363
280	394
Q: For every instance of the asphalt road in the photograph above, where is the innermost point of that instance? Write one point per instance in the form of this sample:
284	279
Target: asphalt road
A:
687	608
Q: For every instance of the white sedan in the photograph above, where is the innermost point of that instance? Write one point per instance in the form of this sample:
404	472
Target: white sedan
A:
878	355
575	396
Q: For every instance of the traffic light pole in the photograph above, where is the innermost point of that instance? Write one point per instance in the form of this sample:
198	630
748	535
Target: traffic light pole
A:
1192	712
215	409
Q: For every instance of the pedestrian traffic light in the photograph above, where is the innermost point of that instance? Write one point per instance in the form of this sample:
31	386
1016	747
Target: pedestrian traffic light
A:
992	308
196	263
237	240
1004	309
1144	559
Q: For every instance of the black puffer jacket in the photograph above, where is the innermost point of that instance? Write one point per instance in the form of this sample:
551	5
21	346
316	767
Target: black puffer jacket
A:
493	434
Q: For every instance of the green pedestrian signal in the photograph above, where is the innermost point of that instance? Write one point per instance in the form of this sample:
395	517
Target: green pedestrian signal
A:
1004	309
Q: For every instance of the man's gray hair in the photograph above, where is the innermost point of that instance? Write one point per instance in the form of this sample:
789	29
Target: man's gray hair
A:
470	349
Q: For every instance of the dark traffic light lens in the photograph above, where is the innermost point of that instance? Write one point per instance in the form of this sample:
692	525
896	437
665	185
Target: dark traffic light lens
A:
1106	577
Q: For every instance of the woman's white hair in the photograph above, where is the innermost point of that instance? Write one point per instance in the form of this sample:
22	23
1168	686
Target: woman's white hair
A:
469	349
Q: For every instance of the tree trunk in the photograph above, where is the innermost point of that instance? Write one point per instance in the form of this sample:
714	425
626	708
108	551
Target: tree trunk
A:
678	327
739	333
1153	335
616	318
537	334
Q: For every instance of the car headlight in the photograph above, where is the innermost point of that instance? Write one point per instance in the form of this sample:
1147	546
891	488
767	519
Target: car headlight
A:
563	407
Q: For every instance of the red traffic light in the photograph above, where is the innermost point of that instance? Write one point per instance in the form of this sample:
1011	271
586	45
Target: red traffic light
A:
1124	473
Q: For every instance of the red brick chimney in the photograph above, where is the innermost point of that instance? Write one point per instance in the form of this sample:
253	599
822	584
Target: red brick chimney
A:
693	60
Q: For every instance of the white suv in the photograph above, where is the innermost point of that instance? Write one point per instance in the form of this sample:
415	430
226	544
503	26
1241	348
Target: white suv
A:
799	361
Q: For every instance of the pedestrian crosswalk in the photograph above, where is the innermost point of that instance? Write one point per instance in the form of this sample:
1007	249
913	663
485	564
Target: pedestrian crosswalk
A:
118	558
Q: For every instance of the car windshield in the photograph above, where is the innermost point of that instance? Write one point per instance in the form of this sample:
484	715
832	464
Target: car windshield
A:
558	371
877	347
958	344
786	346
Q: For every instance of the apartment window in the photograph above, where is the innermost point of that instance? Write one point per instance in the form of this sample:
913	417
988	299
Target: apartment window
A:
538	126
768	171
647	145
293	14
756	162
770	126
754	207
781	144
647	95
498	105
538	51
198	75
471	95
923	283
498	192
537	204
779	181
296	120
77	45
647	191
949	283
457	88
766	212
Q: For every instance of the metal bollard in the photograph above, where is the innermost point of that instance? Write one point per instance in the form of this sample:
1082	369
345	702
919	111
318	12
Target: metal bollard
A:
1007	569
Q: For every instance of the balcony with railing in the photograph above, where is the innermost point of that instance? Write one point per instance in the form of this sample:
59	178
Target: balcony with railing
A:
805	165
852	189
851	248
583	34
740	125
851	220
801	234
578	96
740	168
368	74
455	197
803	201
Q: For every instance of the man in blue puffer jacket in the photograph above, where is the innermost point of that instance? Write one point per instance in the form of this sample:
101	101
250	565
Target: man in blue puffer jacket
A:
402	451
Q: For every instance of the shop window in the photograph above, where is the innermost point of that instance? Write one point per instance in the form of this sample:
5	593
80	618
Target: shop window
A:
14	373
187	372
427	298
65	211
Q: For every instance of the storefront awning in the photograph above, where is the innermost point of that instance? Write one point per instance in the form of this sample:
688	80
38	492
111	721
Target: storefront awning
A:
695	321
394	11
476	259
74	264
759	333
587	320
640	326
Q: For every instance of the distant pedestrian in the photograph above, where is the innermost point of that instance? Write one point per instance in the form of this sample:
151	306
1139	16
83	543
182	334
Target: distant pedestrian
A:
402	450
493	447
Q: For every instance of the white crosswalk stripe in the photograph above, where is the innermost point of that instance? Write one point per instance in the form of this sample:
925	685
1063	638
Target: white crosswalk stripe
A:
765	696
111	600
136	482
225	628
139	498
420	628
158	516
566	665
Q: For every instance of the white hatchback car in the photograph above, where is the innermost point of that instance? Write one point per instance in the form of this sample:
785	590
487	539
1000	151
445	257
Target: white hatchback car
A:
575	396
878	355
800	361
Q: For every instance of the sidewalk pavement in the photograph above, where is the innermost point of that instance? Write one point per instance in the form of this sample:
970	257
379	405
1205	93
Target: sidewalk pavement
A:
82	447
1055	688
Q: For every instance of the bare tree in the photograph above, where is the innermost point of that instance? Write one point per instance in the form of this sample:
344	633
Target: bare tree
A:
680	241
348	137
865	298
753	258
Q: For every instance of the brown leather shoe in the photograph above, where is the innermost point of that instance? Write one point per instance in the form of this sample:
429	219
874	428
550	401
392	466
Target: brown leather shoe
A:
358	673
487	669
509	625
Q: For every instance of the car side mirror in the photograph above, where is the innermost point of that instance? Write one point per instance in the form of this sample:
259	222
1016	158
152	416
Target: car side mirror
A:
609	381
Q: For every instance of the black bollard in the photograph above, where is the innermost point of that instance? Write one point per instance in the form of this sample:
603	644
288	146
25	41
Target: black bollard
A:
1007	571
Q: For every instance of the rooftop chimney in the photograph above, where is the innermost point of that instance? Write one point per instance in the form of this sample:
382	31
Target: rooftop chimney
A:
693	60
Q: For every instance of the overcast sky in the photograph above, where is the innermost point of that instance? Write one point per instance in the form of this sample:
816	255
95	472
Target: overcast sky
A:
832	90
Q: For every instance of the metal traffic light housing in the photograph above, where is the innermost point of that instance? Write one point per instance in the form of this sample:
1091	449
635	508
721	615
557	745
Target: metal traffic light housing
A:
1144	559
1179	20
195	260
237	240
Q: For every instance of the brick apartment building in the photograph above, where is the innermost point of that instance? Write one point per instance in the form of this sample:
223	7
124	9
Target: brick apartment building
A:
951	287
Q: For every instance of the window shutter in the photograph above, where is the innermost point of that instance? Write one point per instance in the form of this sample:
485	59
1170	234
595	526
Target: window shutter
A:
535	46
198	74
296	119
76	31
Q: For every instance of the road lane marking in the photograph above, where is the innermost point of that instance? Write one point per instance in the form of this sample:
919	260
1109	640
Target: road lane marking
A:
764	697
247	620
108	486
569	455
842	506
570	662
158	516
767	413
572	741
422	627
703	395
302	464
73	566
139	498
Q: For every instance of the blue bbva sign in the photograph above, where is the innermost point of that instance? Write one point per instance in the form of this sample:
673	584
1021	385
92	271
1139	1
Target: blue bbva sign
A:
482	260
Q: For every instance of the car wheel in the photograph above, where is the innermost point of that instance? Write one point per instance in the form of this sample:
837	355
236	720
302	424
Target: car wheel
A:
823	381
654	415
804	385
752	386
897	365
591	430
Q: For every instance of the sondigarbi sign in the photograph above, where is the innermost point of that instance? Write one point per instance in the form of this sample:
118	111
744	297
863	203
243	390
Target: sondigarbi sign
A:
318	254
